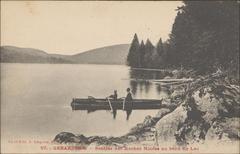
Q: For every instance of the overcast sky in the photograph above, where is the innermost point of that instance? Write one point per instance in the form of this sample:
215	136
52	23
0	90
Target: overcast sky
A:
72	27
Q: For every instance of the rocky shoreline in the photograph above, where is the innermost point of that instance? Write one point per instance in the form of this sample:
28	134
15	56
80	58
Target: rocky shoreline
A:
207	109
142	132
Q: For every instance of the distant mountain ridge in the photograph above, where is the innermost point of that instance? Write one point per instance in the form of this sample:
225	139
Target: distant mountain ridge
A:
115	54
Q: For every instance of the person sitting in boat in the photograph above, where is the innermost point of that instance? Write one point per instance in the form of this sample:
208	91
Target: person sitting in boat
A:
114	97
128	103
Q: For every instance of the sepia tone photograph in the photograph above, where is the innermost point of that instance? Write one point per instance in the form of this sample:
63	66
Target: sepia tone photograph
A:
120	77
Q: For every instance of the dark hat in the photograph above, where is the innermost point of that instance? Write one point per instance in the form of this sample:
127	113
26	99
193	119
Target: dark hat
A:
128	89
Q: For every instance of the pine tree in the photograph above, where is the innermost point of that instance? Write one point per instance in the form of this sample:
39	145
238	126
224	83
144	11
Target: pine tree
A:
205	40
142	53
133	55
149	46
159	47
149	50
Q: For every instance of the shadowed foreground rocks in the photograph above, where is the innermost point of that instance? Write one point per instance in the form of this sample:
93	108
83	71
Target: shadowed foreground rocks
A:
142	132
211	112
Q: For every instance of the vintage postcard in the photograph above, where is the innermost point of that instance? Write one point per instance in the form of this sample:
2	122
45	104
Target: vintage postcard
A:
120	77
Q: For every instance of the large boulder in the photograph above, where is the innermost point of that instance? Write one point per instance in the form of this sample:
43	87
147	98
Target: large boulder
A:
146	125
202	114
162	112
224	130
168	125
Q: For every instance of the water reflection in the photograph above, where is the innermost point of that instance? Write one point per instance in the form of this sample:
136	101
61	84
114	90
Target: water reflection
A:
140	81
158	88
114	113
128	113
146	74
133	85
142	87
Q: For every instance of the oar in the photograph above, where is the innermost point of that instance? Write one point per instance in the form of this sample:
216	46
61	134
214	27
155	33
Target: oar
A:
110	104
124	103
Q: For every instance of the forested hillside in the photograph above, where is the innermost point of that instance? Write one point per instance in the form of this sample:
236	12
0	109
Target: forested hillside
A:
204	37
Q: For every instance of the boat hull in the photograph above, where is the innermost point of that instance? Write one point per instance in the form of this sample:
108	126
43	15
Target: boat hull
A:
103	104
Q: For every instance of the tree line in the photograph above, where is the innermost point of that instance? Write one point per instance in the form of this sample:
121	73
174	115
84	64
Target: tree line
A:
204	37
145	54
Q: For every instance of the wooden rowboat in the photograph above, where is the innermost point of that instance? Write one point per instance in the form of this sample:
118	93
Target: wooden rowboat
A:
106	104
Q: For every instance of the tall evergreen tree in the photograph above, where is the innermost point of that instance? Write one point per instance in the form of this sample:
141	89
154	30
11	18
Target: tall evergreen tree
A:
203	40
149	46
133	55
167	56
159	47
157	56
149	50
142	53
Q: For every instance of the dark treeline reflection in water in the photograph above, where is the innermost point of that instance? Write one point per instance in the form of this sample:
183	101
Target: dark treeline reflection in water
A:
140	81
149	74
142	87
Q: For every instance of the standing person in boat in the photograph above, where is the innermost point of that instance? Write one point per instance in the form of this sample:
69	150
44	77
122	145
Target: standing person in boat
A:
128	103
114	97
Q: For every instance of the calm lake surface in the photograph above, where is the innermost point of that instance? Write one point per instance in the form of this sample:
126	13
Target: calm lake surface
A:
35	99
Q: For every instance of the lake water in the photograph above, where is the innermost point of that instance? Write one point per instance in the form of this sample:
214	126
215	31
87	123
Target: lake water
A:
35	99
